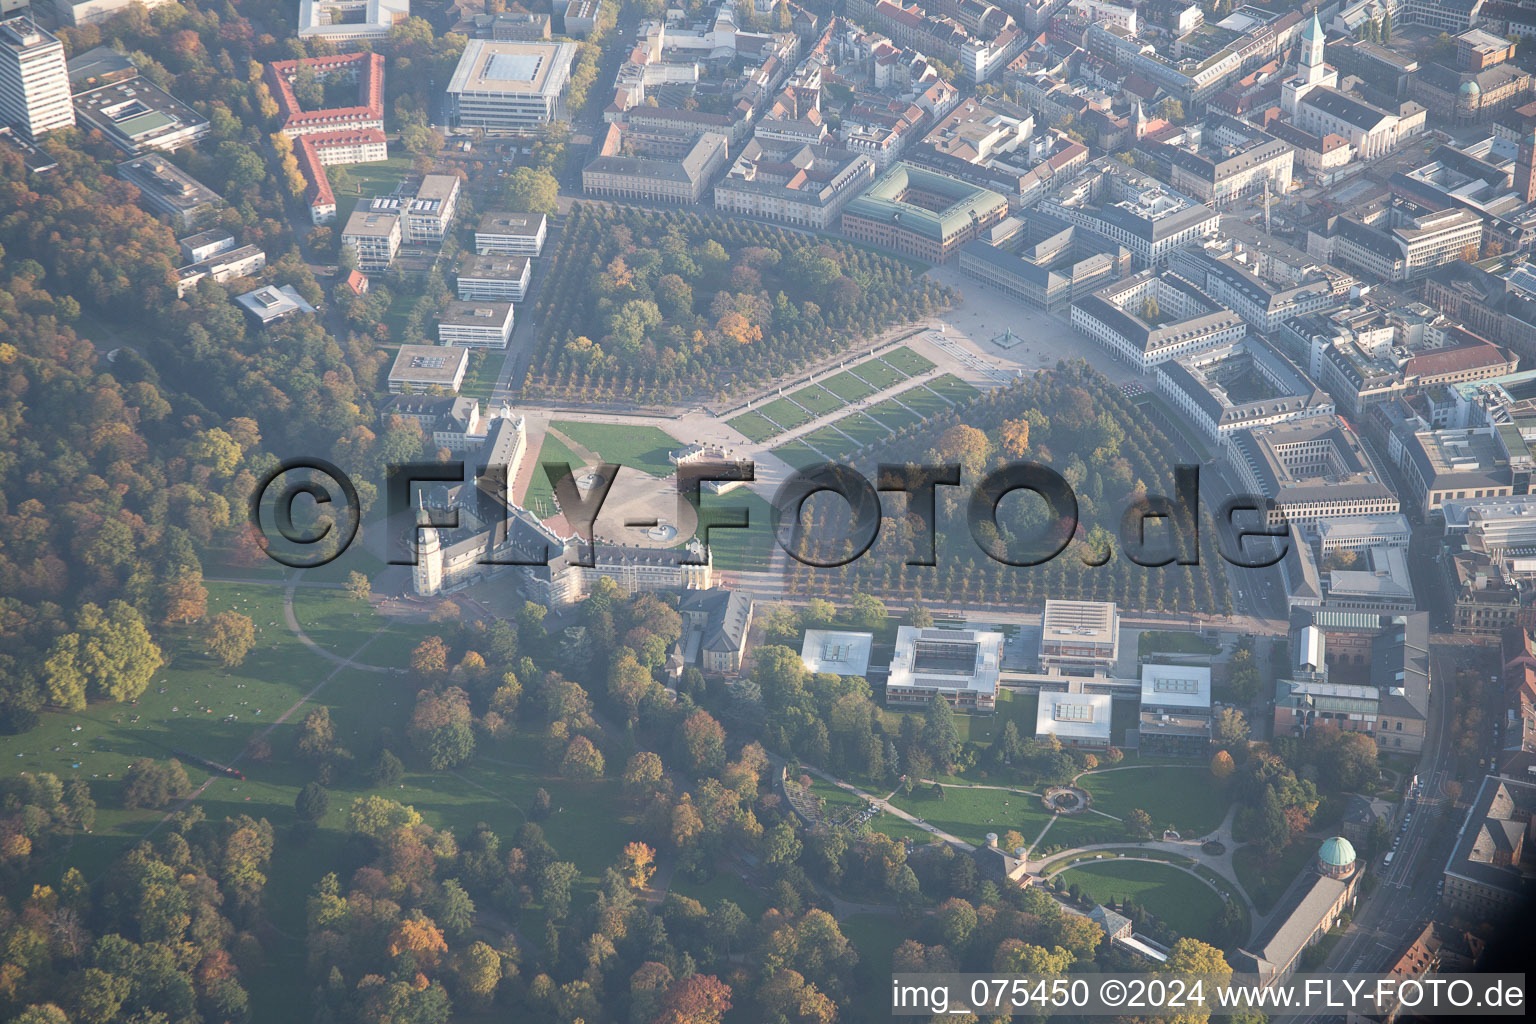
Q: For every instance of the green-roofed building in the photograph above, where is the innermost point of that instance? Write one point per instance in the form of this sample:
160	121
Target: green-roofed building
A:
1336	857
922	213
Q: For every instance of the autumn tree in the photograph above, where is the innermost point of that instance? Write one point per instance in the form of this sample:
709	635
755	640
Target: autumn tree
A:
696	999
429	659
1014	438
1222	766
582	760
231	637
358	588
637	864
441	728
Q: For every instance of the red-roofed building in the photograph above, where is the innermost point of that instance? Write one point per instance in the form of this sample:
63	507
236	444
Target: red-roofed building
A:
357	281
333	135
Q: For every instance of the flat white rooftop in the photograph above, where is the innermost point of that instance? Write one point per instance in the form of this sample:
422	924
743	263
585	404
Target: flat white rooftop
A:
1176	686
946	659
835	651
1088	622
1074	716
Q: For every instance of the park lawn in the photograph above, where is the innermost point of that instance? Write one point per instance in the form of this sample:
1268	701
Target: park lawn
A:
925	403
754	426
971	813
341	624
907	361
374	179
817	399
736	550
799	455
954	389
725	885
539	498
1266	880
1074	830
1184	798
1185	904
894	415
480	381
878	374
1174	641
876	937
847	387
785	413
627	444
832	443
837	799
862	429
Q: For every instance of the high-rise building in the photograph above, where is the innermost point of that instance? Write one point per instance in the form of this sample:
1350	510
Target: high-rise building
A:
34	81
1525	168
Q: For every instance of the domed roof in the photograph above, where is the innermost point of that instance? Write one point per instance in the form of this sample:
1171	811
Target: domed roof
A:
1471	88
1336	852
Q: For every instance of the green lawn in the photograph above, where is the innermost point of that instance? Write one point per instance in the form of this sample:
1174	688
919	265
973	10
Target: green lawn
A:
1073	830
925	403
754	426
1185	904
971	813
737	549
907	361
1266	879
785	413
894	415
482	381
954	389
375	179
1185	798
878	374
831	442
817	400
631	445
863	429
1174	641
540	496
799	455
726	885
846	386
875	937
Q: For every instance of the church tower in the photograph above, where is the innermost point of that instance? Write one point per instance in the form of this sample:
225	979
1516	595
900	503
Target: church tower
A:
429	556
1311	64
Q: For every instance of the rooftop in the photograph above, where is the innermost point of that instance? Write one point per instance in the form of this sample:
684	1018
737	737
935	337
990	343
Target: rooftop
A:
506	66
841	653
925	202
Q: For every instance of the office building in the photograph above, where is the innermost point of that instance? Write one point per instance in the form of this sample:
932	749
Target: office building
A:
374	237
1175	710
801	185
271	304
1079	636
509	84
960	665
424	367
837	652
1081	721
34	80
476	324
510	234
165	189
498	278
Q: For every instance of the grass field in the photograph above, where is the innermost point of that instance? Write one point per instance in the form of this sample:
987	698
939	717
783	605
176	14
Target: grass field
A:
1174	641
907	361
481	381
878	374
953	388
754	426
875	938
1185	904
1266	880
863	429
924	402
785	413
846	386
797	454
628	444
831	442
726	885
540	496
737	549
893	414
1072	830
971	813
375	179
817	400
1184	798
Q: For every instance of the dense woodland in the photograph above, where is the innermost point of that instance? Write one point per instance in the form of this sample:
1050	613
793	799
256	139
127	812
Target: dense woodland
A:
1072	420
658	306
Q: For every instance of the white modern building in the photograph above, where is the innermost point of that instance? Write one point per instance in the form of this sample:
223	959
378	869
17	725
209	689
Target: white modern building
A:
1079	636
374	236
509	85
1175	710
495	278
837	652
34	79
90	12
511	234
960	665
476	324
347	21
1078	720
420	368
